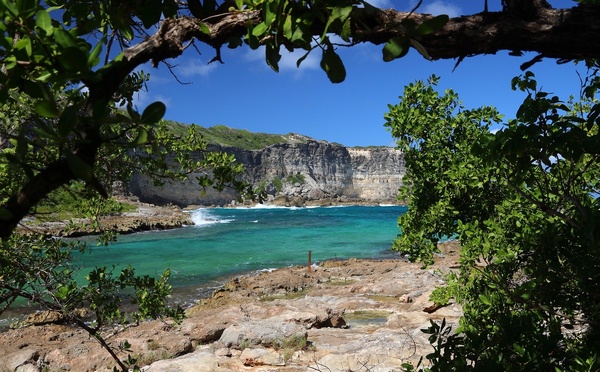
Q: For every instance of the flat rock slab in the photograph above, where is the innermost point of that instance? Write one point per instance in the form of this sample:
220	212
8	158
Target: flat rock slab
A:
360	315
264	332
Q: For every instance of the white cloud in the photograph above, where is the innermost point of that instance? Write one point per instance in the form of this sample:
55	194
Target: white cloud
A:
196	67
142	99
438	7
254	55
382	4
288	61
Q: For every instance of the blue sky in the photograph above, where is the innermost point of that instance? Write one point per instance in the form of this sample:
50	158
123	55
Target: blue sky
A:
245	93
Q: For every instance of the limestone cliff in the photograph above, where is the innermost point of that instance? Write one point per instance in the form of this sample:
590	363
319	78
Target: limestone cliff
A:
307	171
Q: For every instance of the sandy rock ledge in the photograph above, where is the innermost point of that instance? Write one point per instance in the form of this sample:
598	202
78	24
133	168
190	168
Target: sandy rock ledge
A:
147	217
354	315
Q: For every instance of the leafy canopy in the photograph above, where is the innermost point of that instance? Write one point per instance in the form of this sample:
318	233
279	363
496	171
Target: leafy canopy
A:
524	204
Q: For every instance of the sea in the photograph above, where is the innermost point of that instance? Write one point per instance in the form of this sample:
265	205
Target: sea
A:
228	242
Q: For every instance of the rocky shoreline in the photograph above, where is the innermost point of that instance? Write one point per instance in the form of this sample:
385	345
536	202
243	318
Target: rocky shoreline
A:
147	217
353	315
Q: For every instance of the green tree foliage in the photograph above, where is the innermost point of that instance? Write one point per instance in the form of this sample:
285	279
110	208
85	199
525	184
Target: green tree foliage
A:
523	203
67	114
64	123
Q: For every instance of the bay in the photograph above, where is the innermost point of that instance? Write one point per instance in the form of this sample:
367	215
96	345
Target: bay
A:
226	242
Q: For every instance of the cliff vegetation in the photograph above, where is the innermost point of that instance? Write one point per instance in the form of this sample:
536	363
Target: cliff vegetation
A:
225	136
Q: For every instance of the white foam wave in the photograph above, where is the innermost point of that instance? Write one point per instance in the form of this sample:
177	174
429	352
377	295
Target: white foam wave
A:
203	217
270	206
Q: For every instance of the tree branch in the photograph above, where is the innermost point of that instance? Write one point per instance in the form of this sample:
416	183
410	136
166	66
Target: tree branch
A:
553	33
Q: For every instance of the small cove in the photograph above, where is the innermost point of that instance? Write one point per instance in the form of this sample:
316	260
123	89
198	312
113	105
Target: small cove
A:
227	242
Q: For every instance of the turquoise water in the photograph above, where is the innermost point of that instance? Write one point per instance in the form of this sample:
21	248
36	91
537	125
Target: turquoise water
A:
226	242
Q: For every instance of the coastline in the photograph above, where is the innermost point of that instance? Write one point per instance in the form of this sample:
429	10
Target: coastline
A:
350	312
149	217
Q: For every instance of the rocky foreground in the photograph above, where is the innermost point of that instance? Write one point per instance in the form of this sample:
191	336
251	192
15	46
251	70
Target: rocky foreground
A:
355	315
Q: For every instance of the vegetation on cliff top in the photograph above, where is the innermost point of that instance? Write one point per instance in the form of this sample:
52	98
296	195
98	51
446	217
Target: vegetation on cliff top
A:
241	138
244	139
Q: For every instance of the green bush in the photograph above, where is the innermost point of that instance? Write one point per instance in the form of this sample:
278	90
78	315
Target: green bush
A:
524	204
278	184
295	178
75	201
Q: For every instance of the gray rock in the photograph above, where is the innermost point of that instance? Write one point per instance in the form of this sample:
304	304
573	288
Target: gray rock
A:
200	361
264	332
261	357
22	358
357	362
27	368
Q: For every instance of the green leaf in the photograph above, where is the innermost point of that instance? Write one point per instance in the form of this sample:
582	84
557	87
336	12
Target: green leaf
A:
346	31
27	8
142	137
44	22
260	29
65	39
204	28
287	27
397	47
133	114
127	31
432	25
80	169
11	7
342	13
67	120
151	13
273	57
73	59
46	109
301	59
5	214
270	10
33	89
169	8
153	113
420	48
93	58
333	66
25	44
485	300
234	42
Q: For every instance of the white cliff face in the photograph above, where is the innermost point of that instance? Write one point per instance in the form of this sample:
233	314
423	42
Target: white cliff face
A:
377	172
313	170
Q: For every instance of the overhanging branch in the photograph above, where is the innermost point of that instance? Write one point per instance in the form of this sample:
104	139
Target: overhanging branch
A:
553	33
